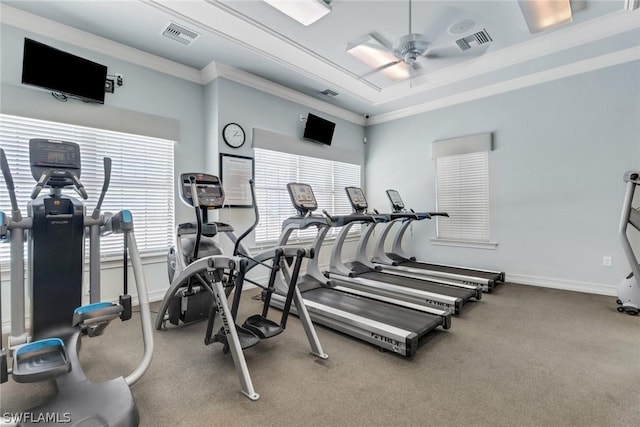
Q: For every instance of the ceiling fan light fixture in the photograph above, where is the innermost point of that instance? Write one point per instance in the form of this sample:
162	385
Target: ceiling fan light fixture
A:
543	14
305	12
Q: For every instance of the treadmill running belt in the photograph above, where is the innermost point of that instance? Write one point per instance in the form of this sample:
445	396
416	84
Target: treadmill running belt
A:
392	315
419	284
453	270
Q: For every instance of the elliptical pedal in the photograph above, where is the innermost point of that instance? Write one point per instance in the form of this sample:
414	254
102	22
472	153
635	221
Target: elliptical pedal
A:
262	327
246	337
40	360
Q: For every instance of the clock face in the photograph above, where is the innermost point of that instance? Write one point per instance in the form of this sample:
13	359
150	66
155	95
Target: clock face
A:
233	135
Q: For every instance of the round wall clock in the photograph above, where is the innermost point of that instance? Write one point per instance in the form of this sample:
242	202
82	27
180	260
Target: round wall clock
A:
233	135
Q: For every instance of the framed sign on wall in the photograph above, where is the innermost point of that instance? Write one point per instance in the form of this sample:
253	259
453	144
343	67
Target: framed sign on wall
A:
235	173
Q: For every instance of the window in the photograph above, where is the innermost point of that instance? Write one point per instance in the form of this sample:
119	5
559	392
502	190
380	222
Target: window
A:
274	170
462	190
141	177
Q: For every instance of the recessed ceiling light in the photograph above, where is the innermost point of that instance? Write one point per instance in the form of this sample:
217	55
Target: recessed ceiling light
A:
543	14
305	12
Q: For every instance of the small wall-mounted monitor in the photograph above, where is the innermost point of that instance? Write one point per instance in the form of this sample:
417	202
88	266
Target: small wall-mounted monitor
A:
319	130
59	71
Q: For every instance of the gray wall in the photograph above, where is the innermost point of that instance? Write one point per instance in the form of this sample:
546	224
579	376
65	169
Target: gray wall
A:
561	149
145	92
255	109
147	99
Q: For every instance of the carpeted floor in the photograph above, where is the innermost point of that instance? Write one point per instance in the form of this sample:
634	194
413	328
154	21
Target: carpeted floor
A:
522	356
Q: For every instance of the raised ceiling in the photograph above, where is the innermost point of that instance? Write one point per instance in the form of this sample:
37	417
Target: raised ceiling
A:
249	36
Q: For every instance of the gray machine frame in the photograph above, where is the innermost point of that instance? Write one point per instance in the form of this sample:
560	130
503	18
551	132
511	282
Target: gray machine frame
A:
629	288
384	335
109	402
213	267
411	289
450	274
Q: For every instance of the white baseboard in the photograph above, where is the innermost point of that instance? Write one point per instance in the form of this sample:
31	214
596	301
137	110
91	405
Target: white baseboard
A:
566	285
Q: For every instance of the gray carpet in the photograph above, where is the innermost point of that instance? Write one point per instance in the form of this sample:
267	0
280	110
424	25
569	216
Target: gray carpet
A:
522	356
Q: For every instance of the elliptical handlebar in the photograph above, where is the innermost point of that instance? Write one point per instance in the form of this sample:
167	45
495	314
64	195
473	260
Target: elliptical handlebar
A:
324	211
105	187
8	179
46	176
256	220
196	206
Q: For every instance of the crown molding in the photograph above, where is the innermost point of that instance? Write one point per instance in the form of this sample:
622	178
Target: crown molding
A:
610	25
82	39
579	67
217	18
267	86
560	40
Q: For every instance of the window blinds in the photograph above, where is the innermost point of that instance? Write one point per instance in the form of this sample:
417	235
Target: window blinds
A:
274	170
462	190
141	177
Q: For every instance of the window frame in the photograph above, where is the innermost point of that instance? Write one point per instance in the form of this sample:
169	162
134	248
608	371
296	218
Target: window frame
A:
336	195
153	214
453	172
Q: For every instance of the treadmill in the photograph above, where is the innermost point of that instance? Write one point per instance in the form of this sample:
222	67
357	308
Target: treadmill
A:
398	261
391	325
363	275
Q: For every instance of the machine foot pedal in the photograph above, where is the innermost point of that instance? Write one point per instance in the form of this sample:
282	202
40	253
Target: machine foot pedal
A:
40	360
94	318
262	327
246	337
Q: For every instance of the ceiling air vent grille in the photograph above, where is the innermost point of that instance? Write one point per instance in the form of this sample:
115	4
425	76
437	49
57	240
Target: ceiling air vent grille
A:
480	38
328	92
180	33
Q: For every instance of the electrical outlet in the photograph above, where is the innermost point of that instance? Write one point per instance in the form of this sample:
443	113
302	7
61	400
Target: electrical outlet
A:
607	261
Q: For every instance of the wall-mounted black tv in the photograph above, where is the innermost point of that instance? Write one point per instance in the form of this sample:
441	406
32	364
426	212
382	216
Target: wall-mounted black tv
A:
319	130
59	71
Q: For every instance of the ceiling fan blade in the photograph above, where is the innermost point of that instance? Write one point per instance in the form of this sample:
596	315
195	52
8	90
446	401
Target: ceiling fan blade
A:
380	68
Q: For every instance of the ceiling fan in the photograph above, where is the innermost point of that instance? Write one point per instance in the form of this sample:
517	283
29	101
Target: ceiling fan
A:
406	53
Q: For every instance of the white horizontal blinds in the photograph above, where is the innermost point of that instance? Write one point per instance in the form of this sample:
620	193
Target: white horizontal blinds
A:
141	176
274	170
462	190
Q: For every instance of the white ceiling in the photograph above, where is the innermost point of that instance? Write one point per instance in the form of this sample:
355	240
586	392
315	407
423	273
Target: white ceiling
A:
249	36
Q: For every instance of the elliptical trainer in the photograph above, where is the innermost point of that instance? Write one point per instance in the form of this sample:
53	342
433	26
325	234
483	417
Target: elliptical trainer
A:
219	275
56	225
629	289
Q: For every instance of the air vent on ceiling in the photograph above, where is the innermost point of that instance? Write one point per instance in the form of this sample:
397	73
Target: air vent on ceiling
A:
481	37
180	34
328	92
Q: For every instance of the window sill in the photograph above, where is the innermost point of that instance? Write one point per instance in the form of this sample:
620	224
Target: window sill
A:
465	243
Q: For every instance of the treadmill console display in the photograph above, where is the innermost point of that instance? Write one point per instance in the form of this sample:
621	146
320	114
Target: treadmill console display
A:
302	197
395	199
210	192
47	154
357	199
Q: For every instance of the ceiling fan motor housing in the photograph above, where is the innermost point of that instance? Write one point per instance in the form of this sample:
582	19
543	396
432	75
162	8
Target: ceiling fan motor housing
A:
408	48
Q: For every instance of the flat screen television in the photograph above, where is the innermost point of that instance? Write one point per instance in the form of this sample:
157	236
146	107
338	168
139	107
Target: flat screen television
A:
318	129
53	69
